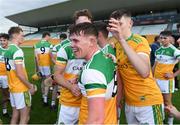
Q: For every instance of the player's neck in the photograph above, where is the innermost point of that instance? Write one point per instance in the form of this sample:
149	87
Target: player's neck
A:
103	44
91	53
14	41
127	35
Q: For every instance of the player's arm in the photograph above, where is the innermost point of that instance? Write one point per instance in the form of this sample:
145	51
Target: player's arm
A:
141	61
21	74
120	91
59	78
95	85
96	110
154	66
59	68
172	75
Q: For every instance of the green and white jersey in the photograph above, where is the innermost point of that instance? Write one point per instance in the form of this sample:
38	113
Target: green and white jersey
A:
166	58
14	55
42	51
108	49
58	46
97	80
2	62
73	66
97	77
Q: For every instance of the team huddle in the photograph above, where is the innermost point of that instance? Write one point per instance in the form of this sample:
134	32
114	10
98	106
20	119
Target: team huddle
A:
93	72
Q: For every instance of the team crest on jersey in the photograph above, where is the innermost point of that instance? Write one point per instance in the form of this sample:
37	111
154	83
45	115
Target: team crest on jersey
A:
142	98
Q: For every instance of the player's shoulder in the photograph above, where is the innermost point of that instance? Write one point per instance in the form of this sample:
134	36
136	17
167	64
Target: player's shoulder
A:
99	61
136	38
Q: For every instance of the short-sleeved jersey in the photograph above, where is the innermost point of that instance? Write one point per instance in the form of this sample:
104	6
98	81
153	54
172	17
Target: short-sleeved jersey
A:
166	58
108	49
42	52
73	66
55	50
138	91
58	46
97	80
14	55
2	63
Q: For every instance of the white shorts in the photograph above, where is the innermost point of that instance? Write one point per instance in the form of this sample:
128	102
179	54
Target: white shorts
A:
166	86
20	100
145	115
3	82
45	70
68	115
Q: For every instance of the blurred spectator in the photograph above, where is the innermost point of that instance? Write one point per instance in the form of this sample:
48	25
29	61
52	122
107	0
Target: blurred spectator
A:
154	47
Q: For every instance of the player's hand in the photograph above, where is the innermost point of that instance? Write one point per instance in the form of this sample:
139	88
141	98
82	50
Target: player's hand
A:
75	90
112	44
172	110
74	80
112	57
169	75
33	89
115	28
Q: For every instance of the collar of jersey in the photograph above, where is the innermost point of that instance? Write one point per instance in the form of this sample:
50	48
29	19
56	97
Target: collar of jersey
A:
129	38
166	46
95	54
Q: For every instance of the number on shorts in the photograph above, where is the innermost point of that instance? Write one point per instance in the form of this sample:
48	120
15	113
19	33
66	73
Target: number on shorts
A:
115	85
8	66
42	50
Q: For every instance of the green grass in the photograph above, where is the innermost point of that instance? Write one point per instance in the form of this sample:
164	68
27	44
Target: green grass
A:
43	115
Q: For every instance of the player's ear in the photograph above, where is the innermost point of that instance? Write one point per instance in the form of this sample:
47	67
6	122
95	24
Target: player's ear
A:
93	40
131	23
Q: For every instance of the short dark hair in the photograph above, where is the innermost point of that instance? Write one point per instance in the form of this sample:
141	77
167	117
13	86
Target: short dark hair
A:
166	33
4	35
62	36
14	30
118	14
86	28
83	12
156	38
45	34
102	27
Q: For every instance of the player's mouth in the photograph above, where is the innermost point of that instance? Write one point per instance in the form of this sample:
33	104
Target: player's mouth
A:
75	50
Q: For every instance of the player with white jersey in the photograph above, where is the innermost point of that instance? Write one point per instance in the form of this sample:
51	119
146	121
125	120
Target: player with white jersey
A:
67	73
19	86
166	58
97	85
42	51
3	75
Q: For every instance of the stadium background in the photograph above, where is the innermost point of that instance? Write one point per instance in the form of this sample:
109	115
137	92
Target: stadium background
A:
150	18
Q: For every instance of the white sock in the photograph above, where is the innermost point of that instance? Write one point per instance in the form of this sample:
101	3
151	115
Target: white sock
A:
170	120
52	103
4	111
45	99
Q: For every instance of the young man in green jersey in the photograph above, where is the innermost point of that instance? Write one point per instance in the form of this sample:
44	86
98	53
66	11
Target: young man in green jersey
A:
67	71
19	86
96	80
